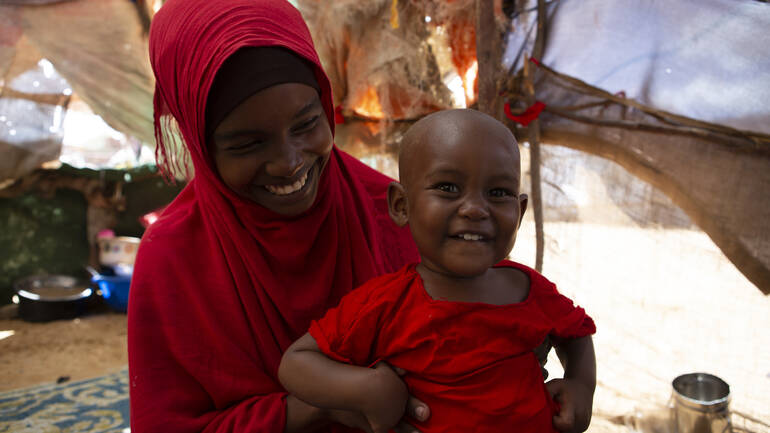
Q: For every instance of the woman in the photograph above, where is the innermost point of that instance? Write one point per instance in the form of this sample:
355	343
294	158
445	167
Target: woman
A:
275	227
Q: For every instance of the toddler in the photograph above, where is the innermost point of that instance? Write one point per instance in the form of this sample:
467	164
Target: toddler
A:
461	325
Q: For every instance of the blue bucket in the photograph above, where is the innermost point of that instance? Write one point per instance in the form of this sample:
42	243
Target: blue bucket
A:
114	290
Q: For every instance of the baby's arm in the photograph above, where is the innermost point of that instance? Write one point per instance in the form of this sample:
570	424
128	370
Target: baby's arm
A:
377	394
575	392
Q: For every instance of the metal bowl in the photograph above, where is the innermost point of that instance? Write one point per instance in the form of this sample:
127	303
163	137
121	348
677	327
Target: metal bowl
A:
52	297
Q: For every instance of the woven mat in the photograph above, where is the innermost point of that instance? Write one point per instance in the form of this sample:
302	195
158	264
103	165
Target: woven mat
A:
93	405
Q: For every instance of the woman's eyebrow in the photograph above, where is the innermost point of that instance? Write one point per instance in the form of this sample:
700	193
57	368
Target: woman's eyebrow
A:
316	102
231	135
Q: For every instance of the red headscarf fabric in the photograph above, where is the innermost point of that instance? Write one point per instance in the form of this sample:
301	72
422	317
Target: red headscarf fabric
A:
221	285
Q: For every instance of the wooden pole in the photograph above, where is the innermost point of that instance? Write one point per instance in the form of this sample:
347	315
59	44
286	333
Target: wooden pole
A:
488	53
534	139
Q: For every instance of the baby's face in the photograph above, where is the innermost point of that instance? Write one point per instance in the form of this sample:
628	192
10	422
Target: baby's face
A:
462	191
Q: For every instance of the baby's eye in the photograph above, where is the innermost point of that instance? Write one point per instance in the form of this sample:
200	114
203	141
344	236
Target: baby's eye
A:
447	187
500	192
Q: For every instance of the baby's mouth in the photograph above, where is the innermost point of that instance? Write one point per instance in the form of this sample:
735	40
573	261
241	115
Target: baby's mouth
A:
469	237
289	189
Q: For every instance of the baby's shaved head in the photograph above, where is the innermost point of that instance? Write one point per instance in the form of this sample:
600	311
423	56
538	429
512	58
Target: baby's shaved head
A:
444	128
460	175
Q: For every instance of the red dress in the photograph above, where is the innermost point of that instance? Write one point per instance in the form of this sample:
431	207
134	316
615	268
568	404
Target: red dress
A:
472	363
221	285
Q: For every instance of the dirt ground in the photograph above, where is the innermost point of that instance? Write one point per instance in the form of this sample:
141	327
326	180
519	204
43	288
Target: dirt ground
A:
68	350
666	302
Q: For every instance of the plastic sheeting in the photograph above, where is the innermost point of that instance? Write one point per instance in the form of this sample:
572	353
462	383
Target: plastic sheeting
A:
703	60
97	47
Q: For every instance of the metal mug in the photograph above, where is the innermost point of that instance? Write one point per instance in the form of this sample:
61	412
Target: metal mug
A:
701	404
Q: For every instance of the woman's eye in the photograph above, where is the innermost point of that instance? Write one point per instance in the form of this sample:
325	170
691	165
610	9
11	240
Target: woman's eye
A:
500	192
245	147
447	187
308	125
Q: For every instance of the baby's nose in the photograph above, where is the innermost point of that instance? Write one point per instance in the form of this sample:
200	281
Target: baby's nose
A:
473	209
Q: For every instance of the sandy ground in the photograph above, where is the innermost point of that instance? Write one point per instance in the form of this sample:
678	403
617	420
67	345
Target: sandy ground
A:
665	303
42	353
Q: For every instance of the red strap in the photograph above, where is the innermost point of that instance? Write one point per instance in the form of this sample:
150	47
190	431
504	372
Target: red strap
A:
530	114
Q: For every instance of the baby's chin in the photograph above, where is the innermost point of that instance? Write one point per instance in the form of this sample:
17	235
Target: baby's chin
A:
463	269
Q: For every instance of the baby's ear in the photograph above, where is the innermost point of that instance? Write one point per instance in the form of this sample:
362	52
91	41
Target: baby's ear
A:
523	199
397	205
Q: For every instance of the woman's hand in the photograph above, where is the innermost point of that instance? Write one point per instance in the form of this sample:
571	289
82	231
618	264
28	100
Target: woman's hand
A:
576	401
415	408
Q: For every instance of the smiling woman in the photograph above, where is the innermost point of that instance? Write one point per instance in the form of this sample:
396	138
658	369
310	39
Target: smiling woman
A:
273	147
275	227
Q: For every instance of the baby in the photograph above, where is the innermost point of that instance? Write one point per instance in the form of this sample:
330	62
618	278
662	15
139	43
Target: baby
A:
461	324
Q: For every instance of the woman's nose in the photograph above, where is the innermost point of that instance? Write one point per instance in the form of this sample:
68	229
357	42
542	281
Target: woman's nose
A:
473	208
286	162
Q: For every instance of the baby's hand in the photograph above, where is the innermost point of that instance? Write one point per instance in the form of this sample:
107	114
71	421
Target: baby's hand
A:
576	401
385	399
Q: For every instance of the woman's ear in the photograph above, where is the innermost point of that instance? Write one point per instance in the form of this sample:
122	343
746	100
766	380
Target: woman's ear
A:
397	205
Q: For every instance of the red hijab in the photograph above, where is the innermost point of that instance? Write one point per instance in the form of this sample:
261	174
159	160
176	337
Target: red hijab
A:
222	285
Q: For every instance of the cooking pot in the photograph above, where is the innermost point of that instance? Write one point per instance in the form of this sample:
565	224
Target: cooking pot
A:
52	297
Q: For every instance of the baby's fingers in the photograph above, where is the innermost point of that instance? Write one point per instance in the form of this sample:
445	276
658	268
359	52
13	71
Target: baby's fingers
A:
564	420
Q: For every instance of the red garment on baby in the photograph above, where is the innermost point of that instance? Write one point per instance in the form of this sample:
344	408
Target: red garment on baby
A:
471	363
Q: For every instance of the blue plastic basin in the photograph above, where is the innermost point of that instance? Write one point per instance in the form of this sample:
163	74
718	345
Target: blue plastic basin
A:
114	290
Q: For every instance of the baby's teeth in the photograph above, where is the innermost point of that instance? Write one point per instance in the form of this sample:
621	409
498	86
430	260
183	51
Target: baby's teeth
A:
470	237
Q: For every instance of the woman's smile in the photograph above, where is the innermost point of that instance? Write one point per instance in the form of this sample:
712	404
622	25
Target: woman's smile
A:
288	189
289	193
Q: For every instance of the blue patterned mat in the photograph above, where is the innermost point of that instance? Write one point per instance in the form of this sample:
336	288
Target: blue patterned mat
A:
93	405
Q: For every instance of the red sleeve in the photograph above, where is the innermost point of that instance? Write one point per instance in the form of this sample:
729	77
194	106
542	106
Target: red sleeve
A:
567	319
347	332
186	375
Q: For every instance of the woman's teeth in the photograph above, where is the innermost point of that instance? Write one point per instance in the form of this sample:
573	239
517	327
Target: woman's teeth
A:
470	237
288	189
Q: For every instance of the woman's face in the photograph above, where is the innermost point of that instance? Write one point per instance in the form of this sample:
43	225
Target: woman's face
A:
273	147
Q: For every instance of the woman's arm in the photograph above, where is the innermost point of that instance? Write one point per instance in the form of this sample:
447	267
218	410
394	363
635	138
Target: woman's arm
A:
378	394
576	391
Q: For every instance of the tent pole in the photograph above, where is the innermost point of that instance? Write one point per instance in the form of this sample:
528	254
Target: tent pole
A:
534	138
536	192
488	53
